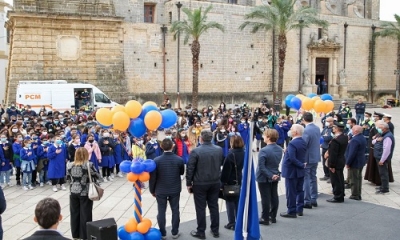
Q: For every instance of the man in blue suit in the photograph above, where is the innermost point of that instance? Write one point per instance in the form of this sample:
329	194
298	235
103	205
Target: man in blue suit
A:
293	170
355	160
311	136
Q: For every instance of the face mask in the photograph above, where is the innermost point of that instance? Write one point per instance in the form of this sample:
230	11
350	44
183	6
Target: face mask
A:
243	121
335	119
289	134
28	145
56	122
140	142
348	126
327	124
366	118
193	131
343	105
197	125
14	130
260	120
19	139
35	138
154	139
91	141
106	135
3	139
58	142
379	130
3	121
115	136
183	135
44	133
332	134
26	119
45	142
222	130
169	137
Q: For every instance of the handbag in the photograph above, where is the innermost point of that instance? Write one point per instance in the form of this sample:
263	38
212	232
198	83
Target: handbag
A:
95	192
232	190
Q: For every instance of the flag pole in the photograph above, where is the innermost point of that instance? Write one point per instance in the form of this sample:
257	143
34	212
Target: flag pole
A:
249	169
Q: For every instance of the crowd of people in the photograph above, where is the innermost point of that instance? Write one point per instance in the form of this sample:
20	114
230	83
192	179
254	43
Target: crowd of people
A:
54	148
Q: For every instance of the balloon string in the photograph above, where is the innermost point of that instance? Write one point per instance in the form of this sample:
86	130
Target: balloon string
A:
138	202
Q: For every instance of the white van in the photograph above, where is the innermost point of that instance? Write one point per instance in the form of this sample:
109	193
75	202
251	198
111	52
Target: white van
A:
61	96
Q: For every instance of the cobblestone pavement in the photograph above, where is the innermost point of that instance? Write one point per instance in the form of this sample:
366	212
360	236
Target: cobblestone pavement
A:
117	202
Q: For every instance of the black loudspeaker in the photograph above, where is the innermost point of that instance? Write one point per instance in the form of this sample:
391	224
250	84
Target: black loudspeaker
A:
105	229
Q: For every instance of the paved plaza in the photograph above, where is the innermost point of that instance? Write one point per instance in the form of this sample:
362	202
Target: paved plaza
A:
118	203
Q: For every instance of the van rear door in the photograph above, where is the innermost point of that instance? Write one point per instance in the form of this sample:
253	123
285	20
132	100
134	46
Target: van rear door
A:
62	100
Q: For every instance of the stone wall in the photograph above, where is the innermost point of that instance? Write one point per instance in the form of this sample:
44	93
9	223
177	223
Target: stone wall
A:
84	49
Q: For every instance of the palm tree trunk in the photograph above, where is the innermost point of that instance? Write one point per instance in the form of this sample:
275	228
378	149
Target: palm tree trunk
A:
282	44
195	61
398	68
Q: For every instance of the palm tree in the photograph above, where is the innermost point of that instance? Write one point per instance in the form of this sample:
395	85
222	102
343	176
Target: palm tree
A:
392	30
281	16
194	26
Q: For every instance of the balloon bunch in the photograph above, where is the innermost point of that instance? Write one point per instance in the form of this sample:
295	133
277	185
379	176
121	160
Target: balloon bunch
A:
135	118
310	102
138	228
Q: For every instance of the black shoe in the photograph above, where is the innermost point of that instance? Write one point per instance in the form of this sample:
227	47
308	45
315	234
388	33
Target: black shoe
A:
263	221
314	204
334	200
273	220
287	215
324	178
214	234
230	226
381	192
378	188
300	214
18	183
358	198
308	206
328	181
197	235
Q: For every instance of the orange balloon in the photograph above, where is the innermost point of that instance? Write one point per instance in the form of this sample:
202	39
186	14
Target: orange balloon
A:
301	96
120	121
307	104
153	120
144	177
319	106
143	227
133	108
329	106
315	98
131	225
104	116
149	103
147	220
117	108
132	177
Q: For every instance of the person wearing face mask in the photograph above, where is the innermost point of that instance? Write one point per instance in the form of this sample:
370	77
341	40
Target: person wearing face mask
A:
75	144
28	163
153	149
345	111
50	125
6	156
351	122
94	151
326	137
13	111
43	161
243	127
17	146
168	134
221	139
57	156
182	149
118	154
258	130
336	162
138	149
367	124
107	145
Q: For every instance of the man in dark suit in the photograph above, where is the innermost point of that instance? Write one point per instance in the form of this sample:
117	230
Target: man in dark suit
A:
165	186
3	206
336	162
355	160
203	180
293	166
311	136
47	215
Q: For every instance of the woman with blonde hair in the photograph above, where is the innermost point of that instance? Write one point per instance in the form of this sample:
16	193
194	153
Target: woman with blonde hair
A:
81	207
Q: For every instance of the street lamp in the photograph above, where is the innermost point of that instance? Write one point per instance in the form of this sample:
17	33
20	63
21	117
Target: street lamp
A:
397	73
301	21
178	5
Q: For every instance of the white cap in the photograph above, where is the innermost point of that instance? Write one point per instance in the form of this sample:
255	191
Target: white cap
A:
387	115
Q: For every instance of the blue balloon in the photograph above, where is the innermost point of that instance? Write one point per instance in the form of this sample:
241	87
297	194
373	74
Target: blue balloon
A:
326	97
149	165
137	127
288	99
153	234
123	234
295	103
137	167
137	236
169	118
321	140
125	166
311	95
147	109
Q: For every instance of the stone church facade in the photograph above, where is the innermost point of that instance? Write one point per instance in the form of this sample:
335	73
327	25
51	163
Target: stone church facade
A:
118	45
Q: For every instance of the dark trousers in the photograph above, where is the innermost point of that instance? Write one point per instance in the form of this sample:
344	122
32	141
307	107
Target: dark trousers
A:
34	175
269	199
57	181
356	181
106	171
206	195
231	210
173	200
337	181
326	169
384	174
81	212
294	195
117	168
19	174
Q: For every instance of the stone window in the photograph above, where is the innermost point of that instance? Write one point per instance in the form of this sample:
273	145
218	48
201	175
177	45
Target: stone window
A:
149	13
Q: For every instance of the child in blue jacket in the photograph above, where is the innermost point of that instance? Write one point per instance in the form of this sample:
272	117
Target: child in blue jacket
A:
28	163
17	146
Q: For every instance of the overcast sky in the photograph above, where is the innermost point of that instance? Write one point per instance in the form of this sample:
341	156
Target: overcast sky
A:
388	9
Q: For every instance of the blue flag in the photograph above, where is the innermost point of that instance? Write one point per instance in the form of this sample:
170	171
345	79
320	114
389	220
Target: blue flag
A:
247	223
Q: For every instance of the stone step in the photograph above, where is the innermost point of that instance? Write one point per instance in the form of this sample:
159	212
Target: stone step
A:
352	103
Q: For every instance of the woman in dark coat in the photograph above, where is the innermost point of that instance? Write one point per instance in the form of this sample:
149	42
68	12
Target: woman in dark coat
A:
232	174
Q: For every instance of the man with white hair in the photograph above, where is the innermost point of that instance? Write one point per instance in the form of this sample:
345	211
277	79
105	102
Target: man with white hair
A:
293	169
383	152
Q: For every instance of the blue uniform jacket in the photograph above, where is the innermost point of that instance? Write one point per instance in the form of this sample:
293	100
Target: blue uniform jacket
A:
56	162
294	159
355	152
311	136
28	162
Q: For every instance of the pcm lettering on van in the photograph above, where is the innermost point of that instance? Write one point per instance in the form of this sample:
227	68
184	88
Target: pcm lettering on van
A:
33	96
